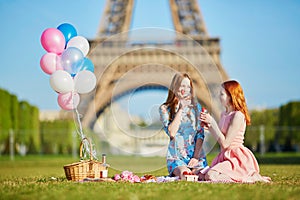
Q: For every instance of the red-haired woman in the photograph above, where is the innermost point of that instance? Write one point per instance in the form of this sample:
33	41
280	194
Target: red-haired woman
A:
180	117
235	162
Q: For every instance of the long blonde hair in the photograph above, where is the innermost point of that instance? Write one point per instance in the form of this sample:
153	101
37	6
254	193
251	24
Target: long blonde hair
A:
238	101
172	100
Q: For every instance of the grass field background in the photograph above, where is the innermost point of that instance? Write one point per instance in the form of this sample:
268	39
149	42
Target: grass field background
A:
42	177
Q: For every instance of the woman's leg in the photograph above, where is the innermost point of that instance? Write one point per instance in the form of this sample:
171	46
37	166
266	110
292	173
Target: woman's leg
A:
213	175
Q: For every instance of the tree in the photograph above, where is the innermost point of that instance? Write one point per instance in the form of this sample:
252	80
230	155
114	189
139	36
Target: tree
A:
57	136
5	119
289	118
267	118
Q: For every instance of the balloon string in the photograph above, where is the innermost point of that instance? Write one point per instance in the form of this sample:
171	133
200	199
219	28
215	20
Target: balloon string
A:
81	134
80	126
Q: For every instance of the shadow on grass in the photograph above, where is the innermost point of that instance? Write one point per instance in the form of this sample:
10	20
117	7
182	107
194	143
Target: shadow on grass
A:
280	159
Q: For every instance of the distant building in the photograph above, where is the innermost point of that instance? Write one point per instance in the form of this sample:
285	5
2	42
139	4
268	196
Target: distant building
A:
51	115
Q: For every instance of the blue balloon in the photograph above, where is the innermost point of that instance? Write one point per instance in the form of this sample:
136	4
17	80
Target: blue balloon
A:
87	65
68	31
71	60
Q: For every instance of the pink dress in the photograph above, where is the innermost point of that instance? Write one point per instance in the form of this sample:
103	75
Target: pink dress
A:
236	161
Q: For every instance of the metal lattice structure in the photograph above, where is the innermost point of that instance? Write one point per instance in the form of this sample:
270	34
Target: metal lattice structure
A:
125	60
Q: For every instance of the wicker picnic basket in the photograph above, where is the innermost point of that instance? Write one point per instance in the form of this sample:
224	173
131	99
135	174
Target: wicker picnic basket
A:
84	168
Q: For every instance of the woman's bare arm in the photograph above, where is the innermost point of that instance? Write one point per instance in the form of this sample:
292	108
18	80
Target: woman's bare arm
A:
233	129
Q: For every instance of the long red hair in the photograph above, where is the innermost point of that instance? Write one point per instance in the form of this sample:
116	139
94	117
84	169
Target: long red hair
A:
172	100
238	101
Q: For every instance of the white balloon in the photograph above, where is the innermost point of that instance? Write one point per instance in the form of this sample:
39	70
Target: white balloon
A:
81	43
84	81
61	81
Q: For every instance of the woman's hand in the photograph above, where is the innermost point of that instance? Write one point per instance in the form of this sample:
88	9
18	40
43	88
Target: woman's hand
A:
193	162
184	102
184	99
206	119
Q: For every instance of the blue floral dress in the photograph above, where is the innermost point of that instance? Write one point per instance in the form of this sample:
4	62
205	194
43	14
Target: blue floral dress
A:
181	148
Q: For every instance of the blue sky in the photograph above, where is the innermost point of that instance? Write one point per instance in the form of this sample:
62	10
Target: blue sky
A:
259	43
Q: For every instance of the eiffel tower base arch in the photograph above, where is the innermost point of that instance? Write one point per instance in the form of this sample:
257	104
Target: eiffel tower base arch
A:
149	60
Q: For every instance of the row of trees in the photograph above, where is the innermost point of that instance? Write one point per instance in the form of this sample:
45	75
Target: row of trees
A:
20	120
280	128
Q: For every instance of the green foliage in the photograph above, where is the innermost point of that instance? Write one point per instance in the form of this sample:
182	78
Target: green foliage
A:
24	127
22	119
281	128
264	120
289	117
35	139
268	117
14	112
5	119
27	132
57	136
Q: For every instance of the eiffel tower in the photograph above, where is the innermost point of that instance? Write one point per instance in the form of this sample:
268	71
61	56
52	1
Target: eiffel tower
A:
125	63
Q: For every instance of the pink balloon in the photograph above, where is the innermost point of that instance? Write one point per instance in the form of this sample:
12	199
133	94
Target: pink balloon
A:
58	63
68	101
48	63
53	40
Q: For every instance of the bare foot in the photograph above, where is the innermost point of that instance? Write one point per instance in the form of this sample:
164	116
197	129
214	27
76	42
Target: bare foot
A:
257	177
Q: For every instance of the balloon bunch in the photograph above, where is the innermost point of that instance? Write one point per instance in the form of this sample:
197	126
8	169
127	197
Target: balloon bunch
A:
71	73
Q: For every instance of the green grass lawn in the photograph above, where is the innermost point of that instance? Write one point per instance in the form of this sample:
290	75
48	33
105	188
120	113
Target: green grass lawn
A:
42	177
